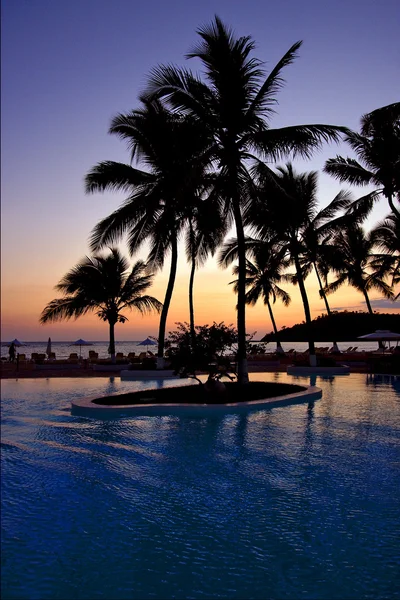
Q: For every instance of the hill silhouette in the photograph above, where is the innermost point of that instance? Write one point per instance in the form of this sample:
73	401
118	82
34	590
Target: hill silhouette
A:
343	326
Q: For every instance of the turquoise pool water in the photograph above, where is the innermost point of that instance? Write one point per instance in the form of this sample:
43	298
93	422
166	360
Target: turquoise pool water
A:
296	502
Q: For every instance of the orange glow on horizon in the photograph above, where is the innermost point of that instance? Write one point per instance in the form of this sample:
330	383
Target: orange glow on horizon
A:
213	297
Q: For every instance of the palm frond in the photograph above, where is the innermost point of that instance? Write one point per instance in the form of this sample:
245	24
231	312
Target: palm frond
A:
64	308
297	141
115	176
265	96
348	170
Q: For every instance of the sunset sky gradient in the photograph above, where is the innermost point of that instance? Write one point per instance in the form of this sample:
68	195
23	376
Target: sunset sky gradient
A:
69	67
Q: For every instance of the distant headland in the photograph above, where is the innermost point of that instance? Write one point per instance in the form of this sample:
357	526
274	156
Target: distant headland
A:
343	326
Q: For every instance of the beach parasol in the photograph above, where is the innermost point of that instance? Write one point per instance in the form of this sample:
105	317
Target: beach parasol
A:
48	348
16	343
380	335
147	342
81	343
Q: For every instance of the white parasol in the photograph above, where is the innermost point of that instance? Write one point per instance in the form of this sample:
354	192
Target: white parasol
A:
381	335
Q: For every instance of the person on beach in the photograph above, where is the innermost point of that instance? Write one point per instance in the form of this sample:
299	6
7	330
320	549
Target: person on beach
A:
11	352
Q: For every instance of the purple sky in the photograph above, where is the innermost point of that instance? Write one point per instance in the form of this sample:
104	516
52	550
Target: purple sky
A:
69	66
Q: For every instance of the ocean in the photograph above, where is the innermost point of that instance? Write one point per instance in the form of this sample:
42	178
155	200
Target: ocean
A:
64	349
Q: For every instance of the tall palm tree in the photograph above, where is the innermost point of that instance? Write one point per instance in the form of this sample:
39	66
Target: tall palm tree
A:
263	275
287	213
102	284
377	147
233	105
386	237
353	262
173	150
316	236
205	232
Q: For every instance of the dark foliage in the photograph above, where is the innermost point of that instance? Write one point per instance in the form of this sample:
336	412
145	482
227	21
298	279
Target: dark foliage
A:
196	394
343	326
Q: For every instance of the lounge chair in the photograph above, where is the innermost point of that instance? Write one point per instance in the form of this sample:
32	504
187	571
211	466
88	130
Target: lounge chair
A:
119	356
38	358
73	358
93	356
131	355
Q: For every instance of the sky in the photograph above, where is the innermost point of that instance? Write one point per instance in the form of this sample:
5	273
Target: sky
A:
69	67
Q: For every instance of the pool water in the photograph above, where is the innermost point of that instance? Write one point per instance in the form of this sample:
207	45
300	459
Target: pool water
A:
295	502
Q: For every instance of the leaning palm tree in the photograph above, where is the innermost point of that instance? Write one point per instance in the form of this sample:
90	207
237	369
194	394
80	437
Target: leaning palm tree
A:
103	284
173	151
316	235
377	147
263	276
353	264
233	105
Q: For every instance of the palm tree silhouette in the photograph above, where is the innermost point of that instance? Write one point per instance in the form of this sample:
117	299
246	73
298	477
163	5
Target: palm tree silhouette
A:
386	237
287	213
353	264
102	284
263	274
377	146
233	106
173	149
205	232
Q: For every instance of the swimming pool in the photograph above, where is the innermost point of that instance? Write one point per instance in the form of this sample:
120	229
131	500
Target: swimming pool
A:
295	502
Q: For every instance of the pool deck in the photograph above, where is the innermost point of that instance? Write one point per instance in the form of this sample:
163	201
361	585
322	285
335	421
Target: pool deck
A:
28	370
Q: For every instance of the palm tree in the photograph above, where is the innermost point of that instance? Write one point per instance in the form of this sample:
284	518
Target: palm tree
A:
353	262
386	237
287	213
205	232
233	107
262	276
173	149
377	146
102	284
316	236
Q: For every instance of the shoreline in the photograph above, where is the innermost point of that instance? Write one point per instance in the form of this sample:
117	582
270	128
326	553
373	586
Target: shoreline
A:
30	373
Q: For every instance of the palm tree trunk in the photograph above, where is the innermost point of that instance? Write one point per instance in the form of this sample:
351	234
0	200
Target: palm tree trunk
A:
328	310
274	327
167	302
191	285
243	372
371	312
307	313
392	206
112	342
191	305
321	289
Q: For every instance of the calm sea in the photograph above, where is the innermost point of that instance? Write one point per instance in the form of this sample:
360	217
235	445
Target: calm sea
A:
64	349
